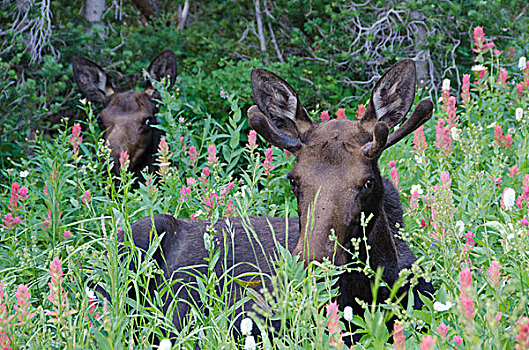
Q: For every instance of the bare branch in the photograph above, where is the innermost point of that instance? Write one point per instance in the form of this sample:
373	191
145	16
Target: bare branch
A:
260	30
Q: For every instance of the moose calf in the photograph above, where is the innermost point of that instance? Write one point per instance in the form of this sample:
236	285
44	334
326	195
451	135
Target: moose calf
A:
336	178
127	117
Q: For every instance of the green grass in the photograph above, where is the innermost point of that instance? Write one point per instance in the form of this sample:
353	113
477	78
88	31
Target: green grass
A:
456	221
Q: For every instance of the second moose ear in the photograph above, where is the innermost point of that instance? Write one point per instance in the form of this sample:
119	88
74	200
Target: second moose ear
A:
163	65
392	96
94	83
282	119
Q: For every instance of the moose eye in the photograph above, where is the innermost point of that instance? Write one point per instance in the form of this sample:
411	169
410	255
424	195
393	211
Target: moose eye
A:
369	183
147	121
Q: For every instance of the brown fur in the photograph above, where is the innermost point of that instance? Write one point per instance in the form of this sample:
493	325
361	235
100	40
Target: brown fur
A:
127	116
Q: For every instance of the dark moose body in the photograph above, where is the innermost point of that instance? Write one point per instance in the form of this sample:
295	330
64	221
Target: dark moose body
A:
337	164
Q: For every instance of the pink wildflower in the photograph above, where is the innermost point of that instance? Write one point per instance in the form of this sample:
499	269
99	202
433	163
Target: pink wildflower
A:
10	221
394	174
191	181
524	222
479	39
210	202
205	172
446	181
47	220
124	160
451	111
163	147
498	316
252	140
457	339
75	139
443	329
514	171
427	343
324	116
414	199
443	137
57	296
503	75
21	193
497	52
193	154
333	324
212	154
504	141
5	341
269	157
23	296
419	140
341	114
465	89
470	239
520	87
497	180
360	111
398	337
522	328
184	191
230	210
494	277
85	198
467	307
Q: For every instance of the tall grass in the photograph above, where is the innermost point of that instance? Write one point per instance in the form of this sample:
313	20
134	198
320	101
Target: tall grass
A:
464	184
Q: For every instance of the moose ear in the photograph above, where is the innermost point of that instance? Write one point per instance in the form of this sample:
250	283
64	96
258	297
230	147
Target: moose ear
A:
94	83
281	114
393	95
164	65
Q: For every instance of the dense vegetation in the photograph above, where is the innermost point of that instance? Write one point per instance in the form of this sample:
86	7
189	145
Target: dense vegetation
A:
463	179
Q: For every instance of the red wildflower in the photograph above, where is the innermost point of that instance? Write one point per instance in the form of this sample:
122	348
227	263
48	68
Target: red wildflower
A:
333	324
324	116
341	114
360	111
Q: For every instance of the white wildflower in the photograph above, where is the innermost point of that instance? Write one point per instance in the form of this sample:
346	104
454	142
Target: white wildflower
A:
455	133
519	114
446	84
24	173
460	226
249	343
246	326
165	344
418	159
440	307
417	188
208	244
83	101
478	68
522	63
90	294
509	197
491	125
348	313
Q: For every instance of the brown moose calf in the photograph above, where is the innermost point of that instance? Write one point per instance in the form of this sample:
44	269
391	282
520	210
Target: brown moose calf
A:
336	180
127	117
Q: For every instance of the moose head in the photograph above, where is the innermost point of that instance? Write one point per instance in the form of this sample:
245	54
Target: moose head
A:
336	177
127	116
